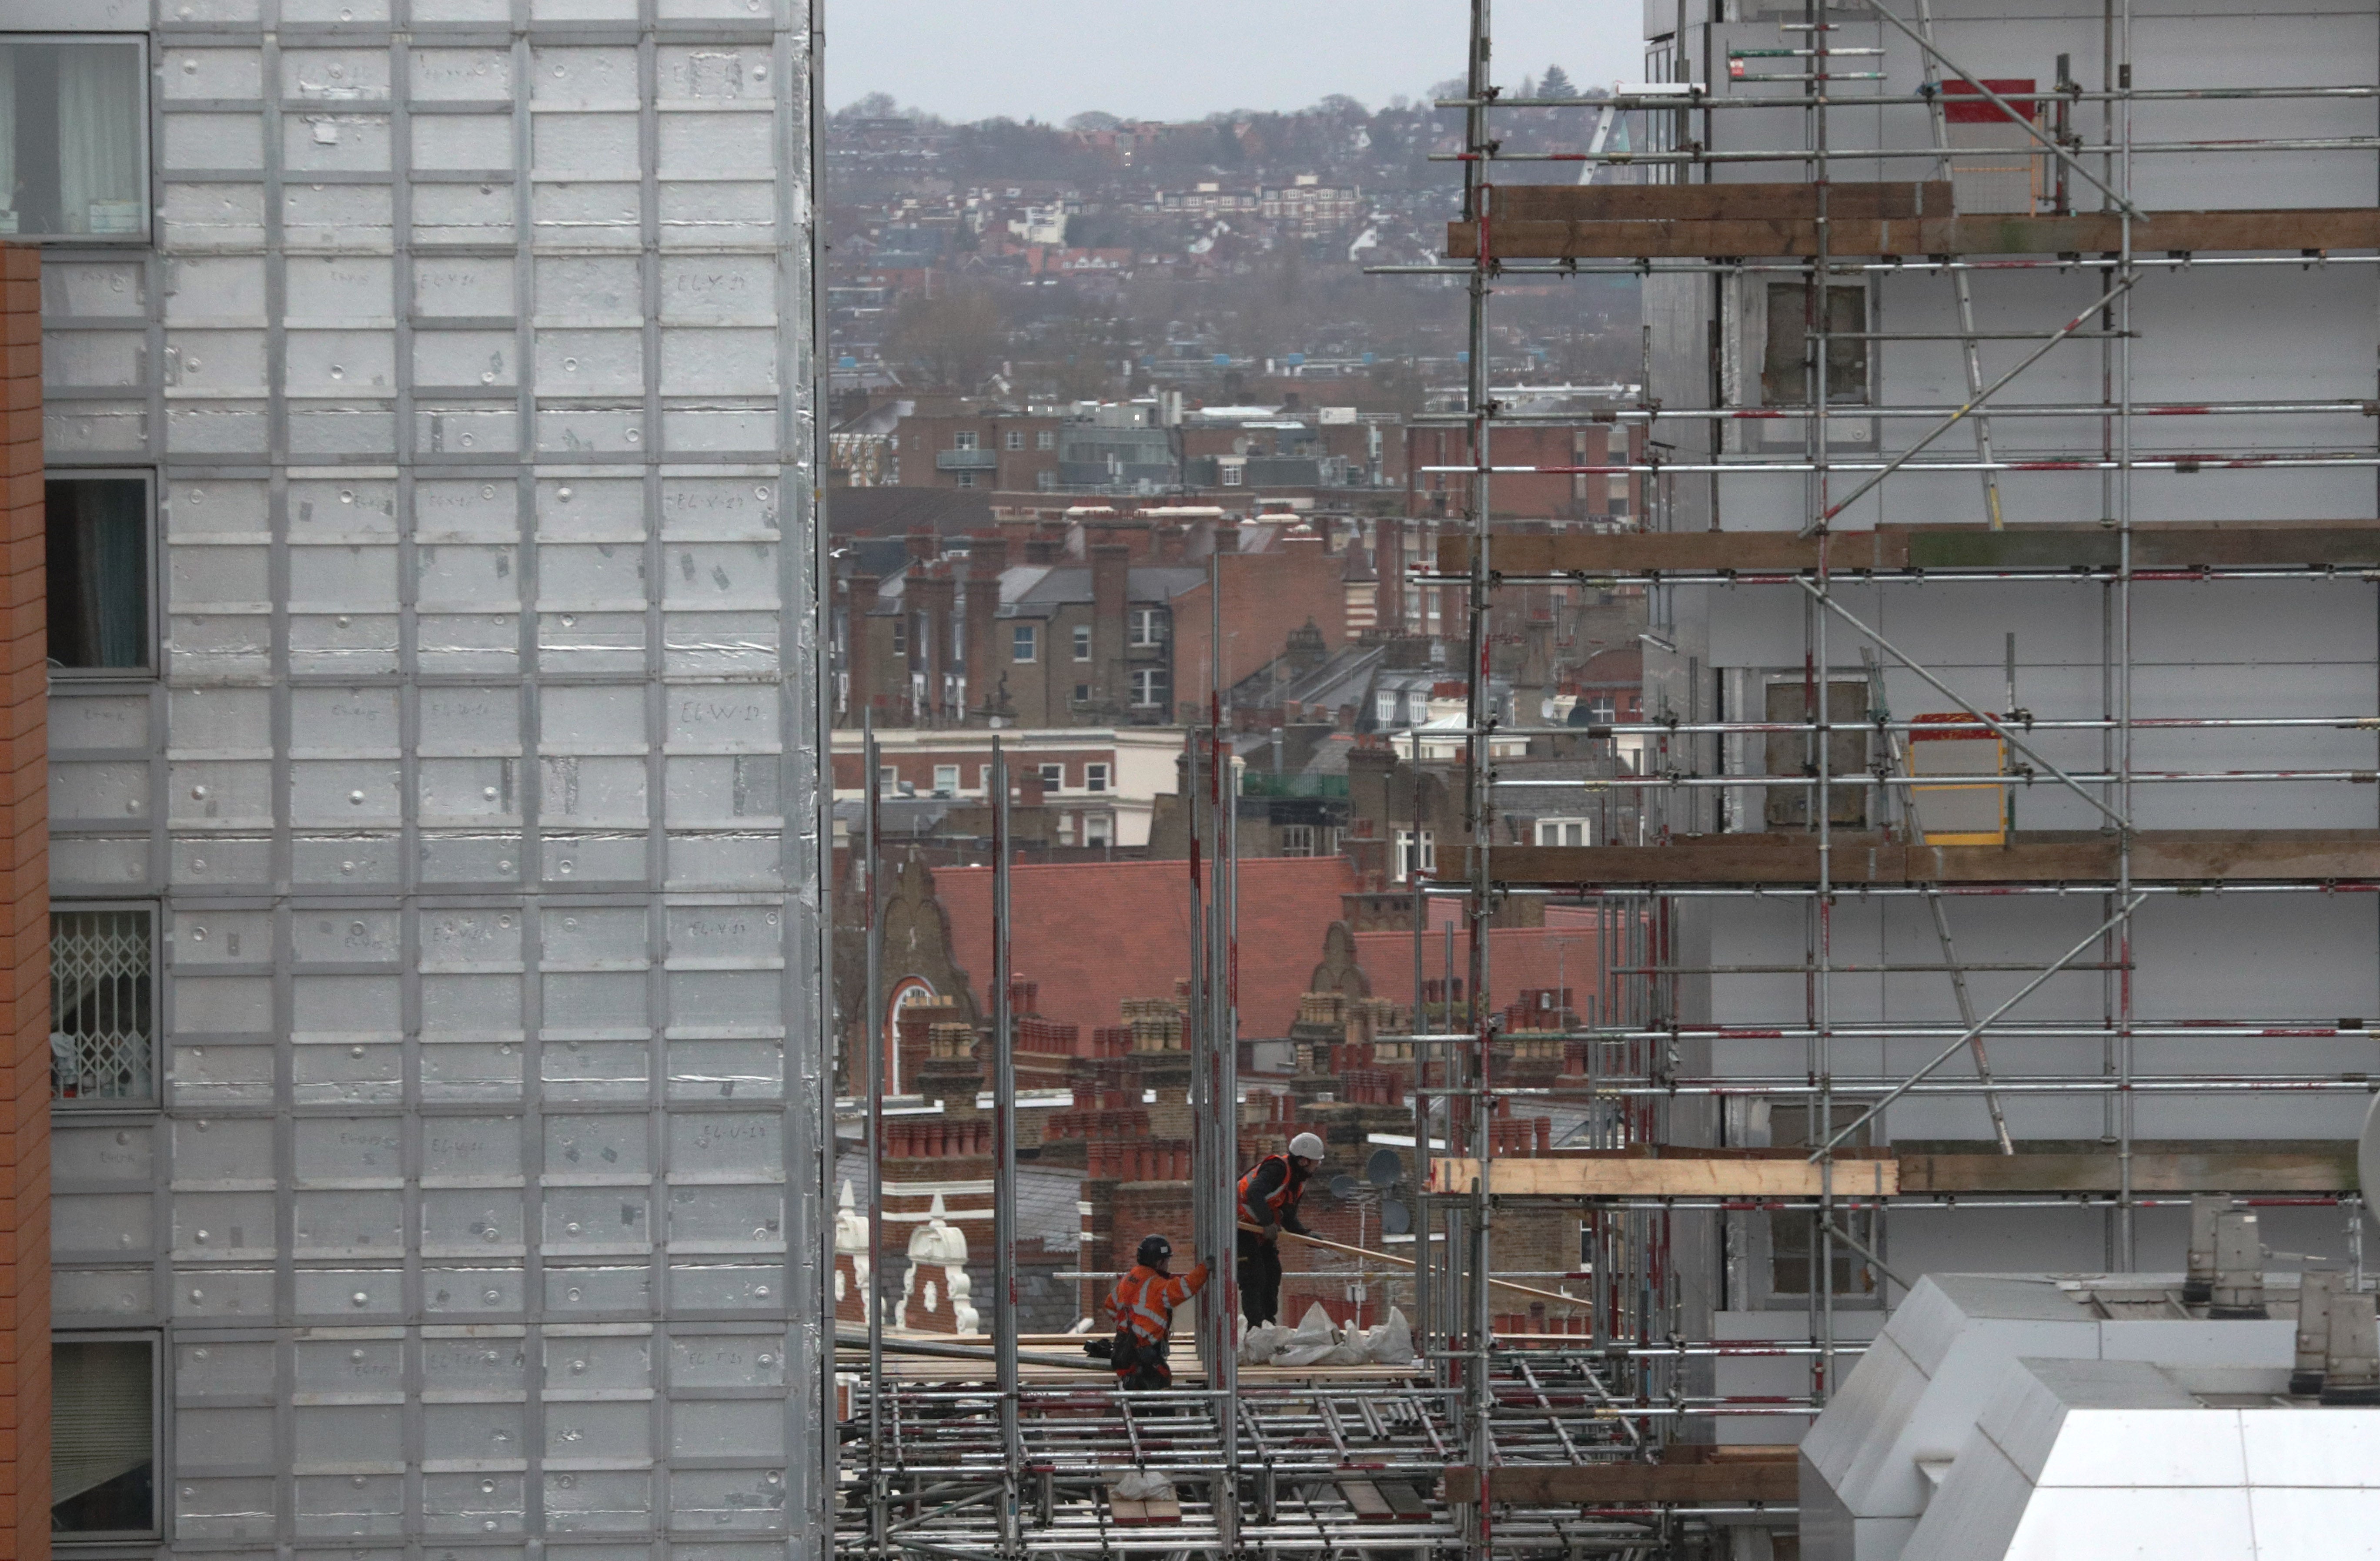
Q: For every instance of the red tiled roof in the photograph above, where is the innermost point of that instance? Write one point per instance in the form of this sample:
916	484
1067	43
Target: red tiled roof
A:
1092	933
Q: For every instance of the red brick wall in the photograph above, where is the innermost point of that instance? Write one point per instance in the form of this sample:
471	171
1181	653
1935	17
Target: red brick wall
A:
24	929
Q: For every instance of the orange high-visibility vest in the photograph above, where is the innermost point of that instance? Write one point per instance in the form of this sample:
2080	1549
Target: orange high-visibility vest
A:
1144	1301
1280	1198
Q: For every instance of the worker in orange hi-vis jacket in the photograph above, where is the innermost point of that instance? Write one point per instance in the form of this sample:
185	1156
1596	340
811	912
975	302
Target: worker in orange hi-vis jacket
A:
1143	1301
1269	1194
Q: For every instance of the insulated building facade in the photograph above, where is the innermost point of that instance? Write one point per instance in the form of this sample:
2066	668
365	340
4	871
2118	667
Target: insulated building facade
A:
433	784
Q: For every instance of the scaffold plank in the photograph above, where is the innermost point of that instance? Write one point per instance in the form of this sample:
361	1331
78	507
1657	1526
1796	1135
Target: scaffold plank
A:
1714	202
1762	1480
2088	233
2320	544
1869	857
1628	1175
2327	1168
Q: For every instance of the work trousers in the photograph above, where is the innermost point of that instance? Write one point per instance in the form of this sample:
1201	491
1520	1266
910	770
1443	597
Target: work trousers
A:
1259	1278
1144	1369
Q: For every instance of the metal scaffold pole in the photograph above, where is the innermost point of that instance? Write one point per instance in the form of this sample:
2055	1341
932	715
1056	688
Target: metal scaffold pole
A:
867	863
1003	1154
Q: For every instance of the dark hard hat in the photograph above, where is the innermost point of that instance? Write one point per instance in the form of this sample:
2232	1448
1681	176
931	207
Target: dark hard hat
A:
1154	1251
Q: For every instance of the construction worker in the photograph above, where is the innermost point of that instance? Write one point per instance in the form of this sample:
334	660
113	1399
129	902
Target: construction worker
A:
1143	1301
1269	1200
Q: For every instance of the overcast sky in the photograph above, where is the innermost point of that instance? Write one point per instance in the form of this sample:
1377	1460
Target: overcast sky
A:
1184	59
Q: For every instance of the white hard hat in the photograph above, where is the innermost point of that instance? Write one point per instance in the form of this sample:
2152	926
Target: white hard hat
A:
1306	1146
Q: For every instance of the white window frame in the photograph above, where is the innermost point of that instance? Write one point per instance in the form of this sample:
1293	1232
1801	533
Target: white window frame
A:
1385	707
946	780
1298	839
1145	621
1095	777
1144	687
1046	440
1015	439
1025	643
1082	641
888	780
966	439
1099	829
1403	866
1053	777
1564	831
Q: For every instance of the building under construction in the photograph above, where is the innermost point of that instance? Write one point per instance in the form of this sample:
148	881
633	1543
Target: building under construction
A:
2005	897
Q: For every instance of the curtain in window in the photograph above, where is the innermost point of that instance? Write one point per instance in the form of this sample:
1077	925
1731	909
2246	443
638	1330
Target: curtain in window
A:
98	573
100	1421
98	130
7	140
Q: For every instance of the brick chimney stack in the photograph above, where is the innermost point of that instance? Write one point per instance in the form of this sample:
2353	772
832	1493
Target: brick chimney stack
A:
986	652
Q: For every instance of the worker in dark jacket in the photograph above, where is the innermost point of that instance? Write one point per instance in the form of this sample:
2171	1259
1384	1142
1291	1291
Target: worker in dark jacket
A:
1269	1200
1143	1301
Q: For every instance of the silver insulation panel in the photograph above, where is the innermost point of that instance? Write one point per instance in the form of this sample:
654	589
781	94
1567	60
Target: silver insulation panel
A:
477	801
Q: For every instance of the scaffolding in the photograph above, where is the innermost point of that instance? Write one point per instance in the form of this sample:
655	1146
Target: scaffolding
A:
1523	1444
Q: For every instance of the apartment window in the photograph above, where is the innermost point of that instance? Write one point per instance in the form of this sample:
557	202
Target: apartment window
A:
1046	440
946	780
966	439
1416	854
102	1437
1082	693
1784	379
1148	626
1046	480
1099	829
1148	687
74	138
900	634
1297	839
103	1027
1015	440
1417	705
1231	474
1022	641
1082	641
967	479
1095	777
888	781
1564	831
98	570
1385	706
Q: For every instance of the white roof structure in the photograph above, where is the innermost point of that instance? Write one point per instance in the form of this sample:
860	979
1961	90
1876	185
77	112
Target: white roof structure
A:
2044	1416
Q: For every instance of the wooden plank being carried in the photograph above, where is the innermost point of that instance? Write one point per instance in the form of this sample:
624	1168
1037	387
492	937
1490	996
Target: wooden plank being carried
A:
1624	1176
1612	1483
2091	233
2039	857
2310	544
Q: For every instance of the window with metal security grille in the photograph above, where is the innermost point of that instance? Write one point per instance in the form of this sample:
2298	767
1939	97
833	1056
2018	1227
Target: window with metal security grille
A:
102	1437
103	1041
98	573
74	138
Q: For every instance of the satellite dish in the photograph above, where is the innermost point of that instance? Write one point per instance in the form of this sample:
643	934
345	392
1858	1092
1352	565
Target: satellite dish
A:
1386	1166
1395	1220
2367	1155
1344	1186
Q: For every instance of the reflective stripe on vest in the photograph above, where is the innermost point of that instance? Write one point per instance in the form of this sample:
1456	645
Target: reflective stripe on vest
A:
1279	1197
1133	1310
